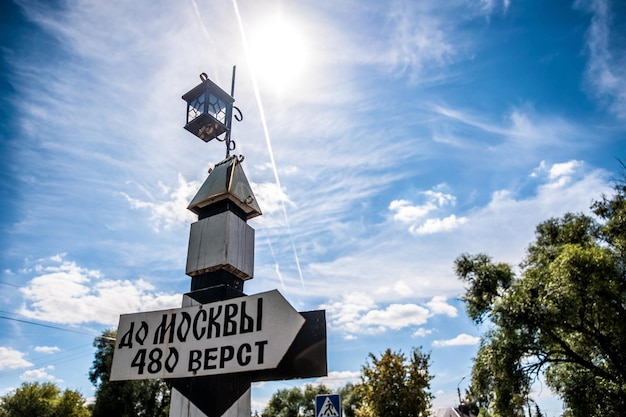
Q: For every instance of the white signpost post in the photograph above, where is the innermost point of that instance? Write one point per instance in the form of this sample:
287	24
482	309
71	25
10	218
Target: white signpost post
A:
241	334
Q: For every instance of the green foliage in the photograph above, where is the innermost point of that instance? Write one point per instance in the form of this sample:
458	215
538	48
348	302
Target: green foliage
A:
310	392
395	386
474	400
294	402
612	210
146	398
350	399
43	400
486	282
565	315
284	403
483	412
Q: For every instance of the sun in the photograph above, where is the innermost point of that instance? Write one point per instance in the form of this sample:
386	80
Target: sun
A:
279	53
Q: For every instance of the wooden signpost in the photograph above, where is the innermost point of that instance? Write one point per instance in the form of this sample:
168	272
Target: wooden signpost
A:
241	334
220	340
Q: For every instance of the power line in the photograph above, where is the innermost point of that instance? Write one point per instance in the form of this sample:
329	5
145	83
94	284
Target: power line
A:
46	325
52	359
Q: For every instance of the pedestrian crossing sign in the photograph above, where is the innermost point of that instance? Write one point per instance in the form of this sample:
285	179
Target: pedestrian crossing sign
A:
328	405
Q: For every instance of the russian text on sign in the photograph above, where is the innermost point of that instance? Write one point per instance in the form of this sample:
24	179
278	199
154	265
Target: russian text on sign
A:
241	334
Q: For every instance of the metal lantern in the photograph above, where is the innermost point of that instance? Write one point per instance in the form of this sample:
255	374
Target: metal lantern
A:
209	110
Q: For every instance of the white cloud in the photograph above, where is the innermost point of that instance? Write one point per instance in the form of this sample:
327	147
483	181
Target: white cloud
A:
346	313
396	316
605	69
270	197
558	175
439	305
402	288
522	126
337	379
419	43
408	213
461	340
539	170
284	169
386	256
46	349
40	374
422	332
358	314
171	211
529	130
564	169
575	196
487	5
67	293
431	226
524	131
58	257
12	359
490	6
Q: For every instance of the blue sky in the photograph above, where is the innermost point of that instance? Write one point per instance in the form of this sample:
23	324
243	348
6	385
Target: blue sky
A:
382	139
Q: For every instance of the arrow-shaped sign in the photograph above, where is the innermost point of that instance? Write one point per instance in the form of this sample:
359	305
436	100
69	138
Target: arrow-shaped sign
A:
240	334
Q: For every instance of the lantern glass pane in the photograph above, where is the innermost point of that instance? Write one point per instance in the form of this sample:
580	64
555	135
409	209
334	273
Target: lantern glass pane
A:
217	108
195	108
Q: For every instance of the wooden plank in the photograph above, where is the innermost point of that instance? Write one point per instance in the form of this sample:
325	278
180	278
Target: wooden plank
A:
223	241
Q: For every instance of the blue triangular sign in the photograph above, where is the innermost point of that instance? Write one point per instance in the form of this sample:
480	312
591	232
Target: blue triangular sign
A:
328	406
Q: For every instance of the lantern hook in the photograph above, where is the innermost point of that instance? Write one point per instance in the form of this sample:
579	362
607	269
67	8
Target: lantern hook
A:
204	77
230	144
239	115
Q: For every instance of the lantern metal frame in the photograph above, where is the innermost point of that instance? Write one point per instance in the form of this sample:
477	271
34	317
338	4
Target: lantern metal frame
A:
209	110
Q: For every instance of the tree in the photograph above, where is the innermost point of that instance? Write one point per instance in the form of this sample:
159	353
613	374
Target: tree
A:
309	394
284	403
294	402
146	398
564	315
395	386
350	399
474	400
43	400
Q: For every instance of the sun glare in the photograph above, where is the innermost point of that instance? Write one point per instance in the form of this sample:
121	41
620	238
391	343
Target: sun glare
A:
279	53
